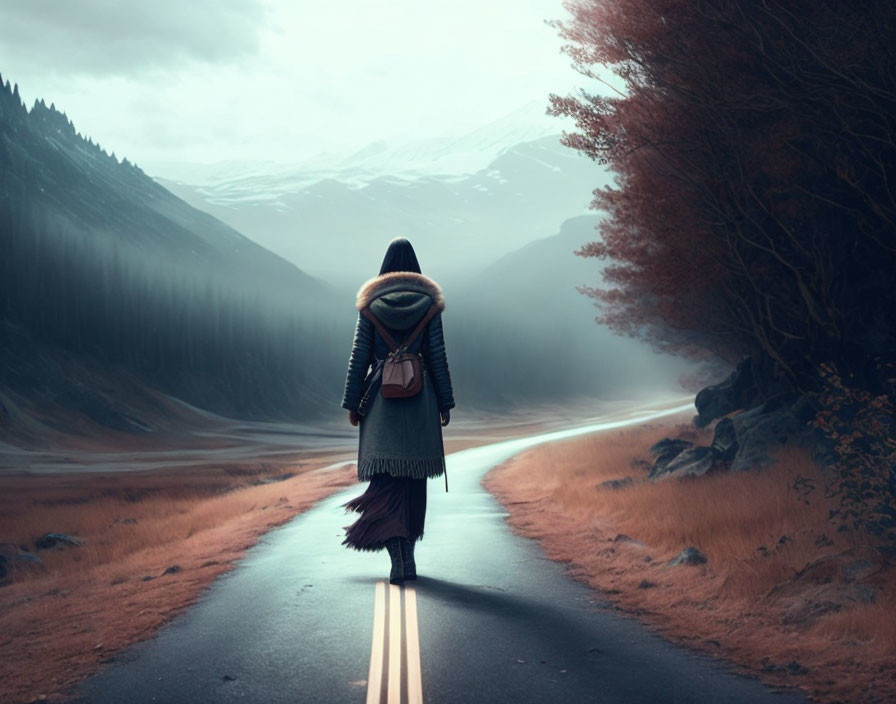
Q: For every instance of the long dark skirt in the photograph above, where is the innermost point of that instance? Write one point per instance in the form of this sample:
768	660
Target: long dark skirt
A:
391	506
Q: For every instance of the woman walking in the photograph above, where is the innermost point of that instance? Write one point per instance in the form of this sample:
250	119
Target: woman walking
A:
400	443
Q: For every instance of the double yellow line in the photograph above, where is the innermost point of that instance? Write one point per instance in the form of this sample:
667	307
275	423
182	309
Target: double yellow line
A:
396	678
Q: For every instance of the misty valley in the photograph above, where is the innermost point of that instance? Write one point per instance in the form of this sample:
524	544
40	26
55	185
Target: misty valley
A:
127	310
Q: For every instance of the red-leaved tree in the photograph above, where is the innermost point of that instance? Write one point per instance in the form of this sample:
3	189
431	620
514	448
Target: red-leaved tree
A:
754	149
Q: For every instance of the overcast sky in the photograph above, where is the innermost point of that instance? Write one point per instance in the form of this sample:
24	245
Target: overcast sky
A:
211	80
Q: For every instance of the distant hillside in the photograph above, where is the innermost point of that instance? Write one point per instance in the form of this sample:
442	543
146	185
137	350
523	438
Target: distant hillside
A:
105	269
530	335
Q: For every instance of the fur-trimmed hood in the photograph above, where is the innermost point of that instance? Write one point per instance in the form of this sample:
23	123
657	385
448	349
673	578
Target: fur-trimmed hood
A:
400	298
399	281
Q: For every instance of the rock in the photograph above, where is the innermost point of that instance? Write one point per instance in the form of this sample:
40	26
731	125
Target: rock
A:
617	483
665	451
724	440
126	521
48	540
769	426
830	584
13	559
667	448
174	569
623	538
680	458
847	566
693	462
646	585
747	440
689	556
727	396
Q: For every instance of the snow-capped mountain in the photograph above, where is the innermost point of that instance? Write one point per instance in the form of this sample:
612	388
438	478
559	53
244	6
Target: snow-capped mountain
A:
463	201
229	182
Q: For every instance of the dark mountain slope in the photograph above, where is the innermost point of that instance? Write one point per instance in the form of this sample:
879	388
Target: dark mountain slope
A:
531	336
106	272
47	165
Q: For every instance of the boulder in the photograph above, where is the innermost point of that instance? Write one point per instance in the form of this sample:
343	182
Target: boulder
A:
693	462
665	451
730	395
724	441
832	583
767	427
667	448
689	556
13	559
49	540
847	567
617	483
747	440
623	538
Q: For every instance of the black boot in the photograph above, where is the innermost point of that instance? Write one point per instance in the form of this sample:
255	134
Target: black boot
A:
393	545
407	556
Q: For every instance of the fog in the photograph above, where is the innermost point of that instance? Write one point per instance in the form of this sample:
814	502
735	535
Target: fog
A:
495	216
214	257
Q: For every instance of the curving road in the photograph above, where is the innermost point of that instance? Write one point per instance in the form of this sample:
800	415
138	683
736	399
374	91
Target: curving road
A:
303	619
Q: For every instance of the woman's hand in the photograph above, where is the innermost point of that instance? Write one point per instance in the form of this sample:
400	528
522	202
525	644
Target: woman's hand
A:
353	418
446	417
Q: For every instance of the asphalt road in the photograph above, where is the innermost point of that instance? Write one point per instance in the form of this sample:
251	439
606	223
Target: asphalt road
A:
303	619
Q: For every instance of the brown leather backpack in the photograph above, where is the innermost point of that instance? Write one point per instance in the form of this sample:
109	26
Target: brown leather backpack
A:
402	373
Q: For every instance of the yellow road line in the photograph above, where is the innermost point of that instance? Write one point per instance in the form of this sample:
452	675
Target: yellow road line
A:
375	676
395	641
415	678
402	637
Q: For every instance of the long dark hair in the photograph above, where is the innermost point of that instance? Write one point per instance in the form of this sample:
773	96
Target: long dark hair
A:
400	256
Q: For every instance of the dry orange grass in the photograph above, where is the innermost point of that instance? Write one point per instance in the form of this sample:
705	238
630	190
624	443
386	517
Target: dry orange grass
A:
758	530
59	623
88	602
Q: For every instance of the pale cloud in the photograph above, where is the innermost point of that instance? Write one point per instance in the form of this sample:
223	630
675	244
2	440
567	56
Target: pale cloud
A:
208	80
99	37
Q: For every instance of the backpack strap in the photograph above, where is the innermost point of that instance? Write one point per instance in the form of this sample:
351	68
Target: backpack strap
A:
379	326
433	309
430	314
